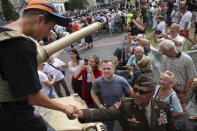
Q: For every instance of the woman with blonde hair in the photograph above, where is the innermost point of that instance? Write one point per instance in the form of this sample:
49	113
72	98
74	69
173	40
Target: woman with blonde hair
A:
165	91
144	67
89	71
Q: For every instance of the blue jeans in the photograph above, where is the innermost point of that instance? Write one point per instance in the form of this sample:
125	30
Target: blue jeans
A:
52	94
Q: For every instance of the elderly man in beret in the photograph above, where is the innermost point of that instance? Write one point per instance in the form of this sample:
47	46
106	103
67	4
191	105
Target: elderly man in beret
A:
140	113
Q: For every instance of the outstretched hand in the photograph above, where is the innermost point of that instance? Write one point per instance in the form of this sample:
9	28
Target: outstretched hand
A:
71	111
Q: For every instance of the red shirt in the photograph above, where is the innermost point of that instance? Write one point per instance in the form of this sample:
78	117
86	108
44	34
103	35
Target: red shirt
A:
75	27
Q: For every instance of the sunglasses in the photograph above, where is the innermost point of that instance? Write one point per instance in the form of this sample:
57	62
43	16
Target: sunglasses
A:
142	92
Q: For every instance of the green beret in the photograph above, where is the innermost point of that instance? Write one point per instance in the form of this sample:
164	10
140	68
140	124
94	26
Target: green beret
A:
145	80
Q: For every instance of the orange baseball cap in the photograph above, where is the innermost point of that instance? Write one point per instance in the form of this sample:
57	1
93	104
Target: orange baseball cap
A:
50	8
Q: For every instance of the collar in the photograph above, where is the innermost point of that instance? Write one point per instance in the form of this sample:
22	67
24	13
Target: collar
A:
178	55
148	107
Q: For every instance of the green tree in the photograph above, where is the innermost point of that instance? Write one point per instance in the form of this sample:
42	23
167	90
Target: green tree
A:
8	11
75	4
100	1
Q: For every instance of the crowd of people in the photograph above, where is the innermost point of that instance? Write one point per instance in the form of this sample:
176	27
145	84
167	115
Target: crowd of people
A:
148	106
136	16
101	86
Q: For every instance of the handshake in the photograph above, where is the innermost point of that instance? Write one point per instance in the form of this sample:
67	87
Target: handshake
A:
73	112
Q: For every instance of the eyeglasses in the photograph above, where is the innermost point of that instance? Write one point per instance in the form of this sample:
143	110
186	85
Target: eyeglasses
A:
142	92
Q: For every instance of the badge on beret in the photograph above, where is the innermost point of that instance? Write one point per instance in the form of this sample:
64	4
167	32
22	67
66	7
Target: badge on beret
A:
162	119
117	104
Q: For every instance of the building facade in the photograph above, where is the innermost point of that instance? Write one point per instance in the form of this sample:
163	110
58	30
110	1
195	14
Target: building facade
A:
19	5
92	2
59	4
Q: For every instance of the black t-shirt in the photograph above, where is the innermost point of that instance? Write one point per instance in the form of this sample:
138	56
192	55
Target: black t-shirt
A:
170	6
135	31
18	66
123	20
189	6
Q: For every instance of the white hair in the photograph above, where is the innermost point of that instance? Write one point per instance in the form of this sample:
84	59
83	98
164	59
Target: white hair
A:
168	45
139	47
168	75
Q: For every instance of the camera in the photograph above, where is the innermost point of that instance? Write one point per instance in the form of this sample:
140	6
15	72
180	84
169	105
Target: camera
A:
85	61
157	32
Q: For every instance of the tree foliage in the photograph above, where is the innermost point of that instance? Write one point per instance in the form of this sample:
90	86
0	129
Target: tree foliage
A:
100	1
8	11
75	4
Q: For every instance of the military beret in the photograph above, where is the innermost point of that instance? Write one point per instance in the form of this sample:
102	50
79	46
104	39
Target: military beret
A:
145	80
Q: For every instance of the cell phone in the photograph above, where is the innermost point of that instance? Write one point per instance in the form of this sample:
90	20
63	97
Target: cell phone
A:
85	61
157	32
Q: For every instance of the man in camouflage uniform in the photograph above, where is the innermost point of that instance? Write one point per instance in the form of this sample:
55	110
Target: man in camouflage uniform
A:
140	113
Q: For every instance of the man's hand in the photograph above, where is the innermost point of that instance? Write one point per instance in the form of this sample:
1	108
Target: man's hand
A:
58	67
84	66
134	37
129	68
71	111
101	106
80	114
165	36
54	77
121	60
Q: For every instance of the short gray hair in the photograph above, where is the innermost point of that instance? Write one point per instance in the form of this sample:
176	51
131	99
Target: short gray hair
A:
168	45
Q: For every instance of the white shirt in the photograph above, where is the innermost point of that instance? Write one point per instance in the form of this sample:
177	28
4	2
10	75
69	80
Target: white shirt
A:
187	17
43	78
175	19
53	71
104	19
73	69
152	10
180	39
162	27
60	29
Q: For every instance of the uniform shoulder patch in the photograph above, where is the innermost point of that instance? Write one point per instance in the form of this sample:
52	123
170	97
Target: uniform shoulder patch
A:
117	104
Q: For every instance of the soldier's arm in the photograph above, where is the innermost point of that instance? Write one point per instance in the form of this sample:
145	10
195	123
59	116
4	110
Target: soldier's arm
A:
87	115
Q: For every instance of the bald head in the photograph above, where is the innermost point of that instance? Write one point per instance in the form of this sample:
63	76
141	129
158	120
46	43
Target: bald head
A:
174	28
139	48
175	25
139	51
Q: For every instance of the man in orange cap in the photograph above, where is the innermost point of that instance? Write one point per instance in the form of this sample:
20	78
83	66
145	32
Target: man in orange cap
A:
19	81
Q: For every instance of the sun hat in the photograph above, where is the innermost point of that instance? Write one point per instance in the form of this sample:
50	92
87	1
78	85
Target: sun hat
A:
50	8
